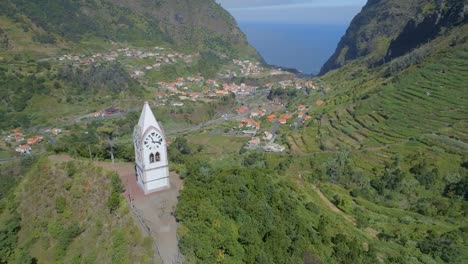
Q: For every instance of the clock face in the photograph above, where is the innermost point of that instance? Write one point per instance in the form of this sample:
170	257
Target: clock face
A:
153	141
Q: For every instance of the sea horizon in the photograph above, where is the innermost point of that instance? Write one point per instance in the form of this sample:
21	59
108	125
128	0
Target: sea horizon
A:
312	44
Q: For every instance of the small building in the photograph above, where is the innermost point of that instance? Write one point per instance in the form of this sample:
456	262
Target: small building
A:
19	138
274	148
24	149
56	131
283	119
222	92
35	140
271	118
257	113
250	123
301	107
255	141
267	135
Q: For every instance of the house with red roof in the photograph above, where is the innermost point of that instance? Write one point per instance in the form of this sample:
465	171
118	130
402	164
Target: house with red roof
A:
222	92
35	140
283	119
257	113
250	123
24	149
301	107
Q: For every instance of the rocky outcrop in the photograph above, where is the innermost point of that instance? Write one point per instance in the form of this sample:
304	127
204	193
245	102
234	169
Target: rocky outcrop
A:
415	34
386	29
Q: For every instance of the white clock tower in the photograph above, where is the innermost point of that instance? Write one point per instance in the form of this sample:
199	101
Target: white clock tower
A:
151	168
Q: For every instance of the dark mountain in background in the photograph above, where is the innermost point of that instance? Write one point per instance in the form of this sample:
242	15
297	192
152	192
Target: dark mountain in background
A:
183	24
384	30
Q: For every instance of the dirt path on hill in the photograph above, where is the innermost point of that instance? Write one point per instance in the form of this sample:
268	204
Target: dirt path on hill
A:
332	207
372	232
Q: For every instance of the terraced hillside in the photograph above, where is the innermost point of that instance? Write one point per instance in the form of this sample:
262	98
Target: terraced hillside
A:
426	102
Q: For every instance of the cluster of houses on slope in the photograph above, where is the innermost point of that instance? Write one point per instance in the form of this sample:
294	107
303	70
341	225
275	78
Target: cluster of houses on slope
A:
248	68
298	84
251	126
159	55
280	118
183	88
17	136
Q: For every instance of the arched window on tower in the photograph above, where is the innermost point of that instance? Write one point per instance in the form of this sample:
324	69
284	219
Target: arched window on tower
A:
158	156
151	158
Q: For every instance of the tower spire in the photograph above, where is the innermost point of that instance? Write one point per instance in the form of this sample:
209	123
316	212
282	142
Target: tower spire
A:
147	118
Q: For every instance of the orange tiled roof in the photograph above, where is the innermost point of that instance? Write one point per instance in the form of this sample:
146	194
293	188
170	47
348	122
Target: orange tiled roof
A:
250	122
271	117
25	147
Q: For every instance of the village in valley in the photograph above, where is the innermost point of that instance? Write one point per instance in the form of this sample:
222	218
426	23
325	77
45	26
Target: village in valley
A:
250	83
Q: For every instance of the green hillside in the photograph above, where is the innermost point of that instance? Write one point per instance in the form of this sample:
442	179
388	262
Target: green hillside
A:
188	25
407	99
379	175
69	212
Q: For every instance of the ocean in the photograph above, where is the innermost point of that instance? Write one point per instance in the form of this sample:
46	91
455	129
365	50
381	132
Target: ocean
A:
305	47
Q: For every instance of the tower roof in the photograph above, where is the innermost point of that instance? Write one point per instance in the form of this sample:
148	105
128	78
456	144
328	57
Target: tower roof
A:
147	119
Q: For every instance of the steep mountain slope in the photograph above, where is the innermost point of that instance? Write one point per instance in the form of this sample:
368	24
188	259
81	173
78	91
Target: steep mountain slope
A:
185	24
384	30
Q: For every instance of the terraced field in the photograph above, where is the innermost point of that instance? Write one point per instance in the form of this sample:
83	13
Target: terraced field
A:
426	103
